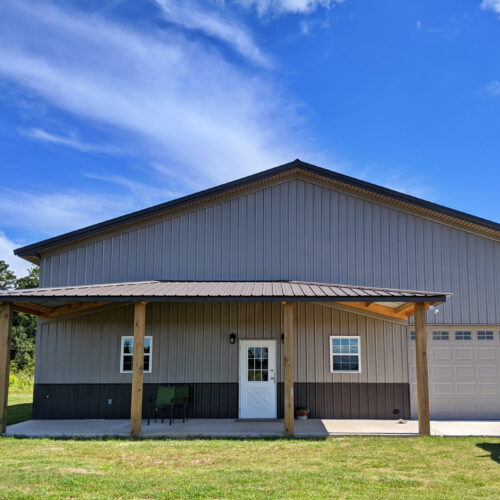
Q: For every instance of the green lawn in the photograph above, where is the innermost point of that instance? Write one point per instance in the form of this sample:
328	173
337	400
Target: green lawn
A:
350	467
19	407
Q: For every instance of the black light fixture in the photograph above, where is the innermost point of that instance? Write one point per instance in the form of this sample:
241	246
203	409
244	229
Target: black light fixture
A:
232	338
282	338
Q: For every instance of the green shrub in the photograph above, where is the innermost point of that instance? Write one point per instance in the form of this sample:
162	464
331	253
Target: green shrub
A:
20	381
13	380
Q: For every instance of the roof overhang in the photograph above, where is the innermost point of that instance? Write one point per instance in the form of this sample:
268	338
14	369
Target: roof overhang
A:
59	301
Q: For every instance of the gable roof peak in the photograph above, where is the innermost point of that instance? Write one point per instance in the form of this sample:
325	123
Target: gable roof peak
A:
32	252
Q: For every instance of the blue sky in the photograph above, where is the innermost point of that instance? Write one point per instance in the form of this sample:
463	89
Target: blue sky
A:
106	110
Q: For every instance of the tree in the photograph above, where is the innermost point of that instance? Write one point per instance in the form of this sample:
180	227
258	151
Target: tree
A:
22	352
29	281
7	277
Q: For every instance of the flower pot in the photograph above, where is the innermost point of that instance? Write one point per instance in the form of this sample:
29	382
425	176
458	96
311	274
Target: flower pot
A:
302	415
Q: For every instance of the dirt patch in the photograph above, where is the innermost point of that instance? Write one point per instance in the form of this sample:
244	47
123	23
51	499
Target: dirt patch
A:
79	470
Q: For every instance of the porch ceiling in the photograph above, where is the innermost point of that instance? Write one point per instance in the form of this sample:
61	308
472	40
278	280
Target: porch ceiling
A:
56	301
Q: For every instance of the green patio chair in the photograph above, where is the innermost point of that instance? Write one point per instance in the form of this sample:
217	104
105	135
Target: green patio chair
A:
164	399
181	398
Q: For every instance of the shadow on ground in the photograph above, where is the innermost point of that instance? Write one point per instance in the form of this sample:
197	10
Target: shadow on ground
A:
493	449
19	413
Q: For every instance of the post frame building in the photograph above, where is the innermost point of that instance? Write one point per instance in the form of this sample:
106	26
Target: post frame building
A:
293	287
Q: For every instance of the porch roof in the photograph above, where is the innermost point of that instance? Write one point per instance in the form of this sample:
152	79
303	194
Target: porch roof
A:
46	301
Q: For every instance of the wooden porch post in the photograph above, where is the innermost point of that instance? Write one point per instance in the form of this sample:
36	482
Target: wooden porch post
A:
5	338
424	424
289	362
137	369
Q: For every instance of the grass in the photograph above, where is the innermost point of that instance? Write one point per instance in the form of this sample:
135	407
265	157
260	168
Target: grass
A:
20	402
19	407
350	467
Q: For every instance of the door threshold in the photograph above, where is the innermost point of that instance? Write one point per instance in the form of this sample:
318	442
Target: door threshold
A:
259	420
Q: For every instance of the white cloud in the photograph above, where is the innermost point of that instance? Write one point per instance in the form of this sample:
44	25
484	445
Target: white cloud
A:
71	142
264	7
494	87
48	214
17	265
190	15
190	108
493	5
419	24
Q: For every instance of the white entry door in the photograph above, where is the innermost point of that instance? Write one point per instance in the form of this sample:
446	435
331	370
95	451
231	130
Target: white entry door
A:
258	379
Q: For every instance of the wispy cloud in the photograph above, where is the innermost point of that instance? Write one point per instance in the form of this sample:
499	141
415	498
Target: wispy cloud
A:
188	106
148	194
265	7
191	15
494	87
16	264
47	214
71	142
493	5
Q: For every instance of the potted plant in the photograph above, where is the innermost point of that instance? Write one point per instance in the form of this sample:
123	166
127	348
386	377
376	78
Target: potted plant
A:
302	413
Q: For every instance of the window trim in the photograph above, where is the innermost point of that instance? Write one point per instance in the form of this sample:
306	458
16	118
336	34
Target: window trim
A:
485	332
345	354
440	332
122	354
463	334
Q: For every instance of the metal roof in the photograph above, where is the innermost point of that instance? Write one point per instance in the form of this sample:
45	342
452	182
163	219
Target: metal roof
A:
32	252
178	291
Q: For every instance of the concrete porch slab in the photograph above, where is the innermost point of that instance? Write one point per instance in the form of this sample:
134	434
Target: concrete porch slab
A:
230	428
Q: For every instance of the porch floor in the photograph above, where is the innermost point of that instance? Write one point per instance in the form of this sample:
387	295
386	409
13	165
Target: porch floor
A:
224	428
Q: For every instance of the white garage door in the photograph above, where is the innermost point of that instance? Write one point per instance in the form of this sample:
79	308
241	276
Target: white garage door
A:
464	374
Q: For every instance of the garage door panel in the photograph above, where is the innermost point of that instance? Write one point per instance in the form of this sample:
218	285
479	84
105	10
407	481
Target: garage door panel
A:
486	354
464	371
441	371
487	371
466	388
441	354
463	354
490	389
464	377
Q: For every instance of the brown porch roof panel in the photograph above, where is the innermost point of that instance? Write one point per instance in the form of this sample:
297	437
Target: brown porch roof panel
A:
220	290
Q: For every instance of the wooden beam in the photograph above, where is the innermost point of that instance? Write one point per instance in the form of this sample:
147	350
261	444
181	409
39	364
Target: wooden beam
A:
424	423
27	310
30	308
72	308
5	339
137	369
405	308
289	375
376	308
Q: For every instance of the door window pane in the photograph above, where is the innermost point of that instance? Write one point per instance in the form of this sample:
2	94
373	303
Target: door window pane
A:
258	364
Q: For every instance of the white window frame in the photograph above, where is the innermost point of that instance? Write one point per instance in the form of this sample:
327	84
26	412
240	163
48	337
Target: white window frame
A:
122	354
345	354
485	332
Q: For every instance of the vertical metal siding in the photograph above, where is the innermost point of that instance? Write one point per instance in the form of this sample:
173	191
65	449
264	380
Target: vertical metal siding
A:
303	231
191	343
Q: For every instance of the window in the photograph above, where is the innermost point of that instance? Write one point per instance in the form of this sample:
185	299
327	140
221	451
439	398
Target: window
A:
344	354
258	364
440	335
412	335
484	335
460	335
127	354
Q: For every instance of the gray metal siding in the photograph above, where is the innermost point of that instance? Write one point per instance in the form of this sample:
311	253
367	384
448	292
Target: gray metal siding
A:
191	344
297	230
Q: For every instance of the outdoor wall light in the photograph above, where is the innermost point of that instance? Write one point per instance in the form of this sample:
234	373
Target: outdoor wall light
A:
434	309
282	338
232	338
